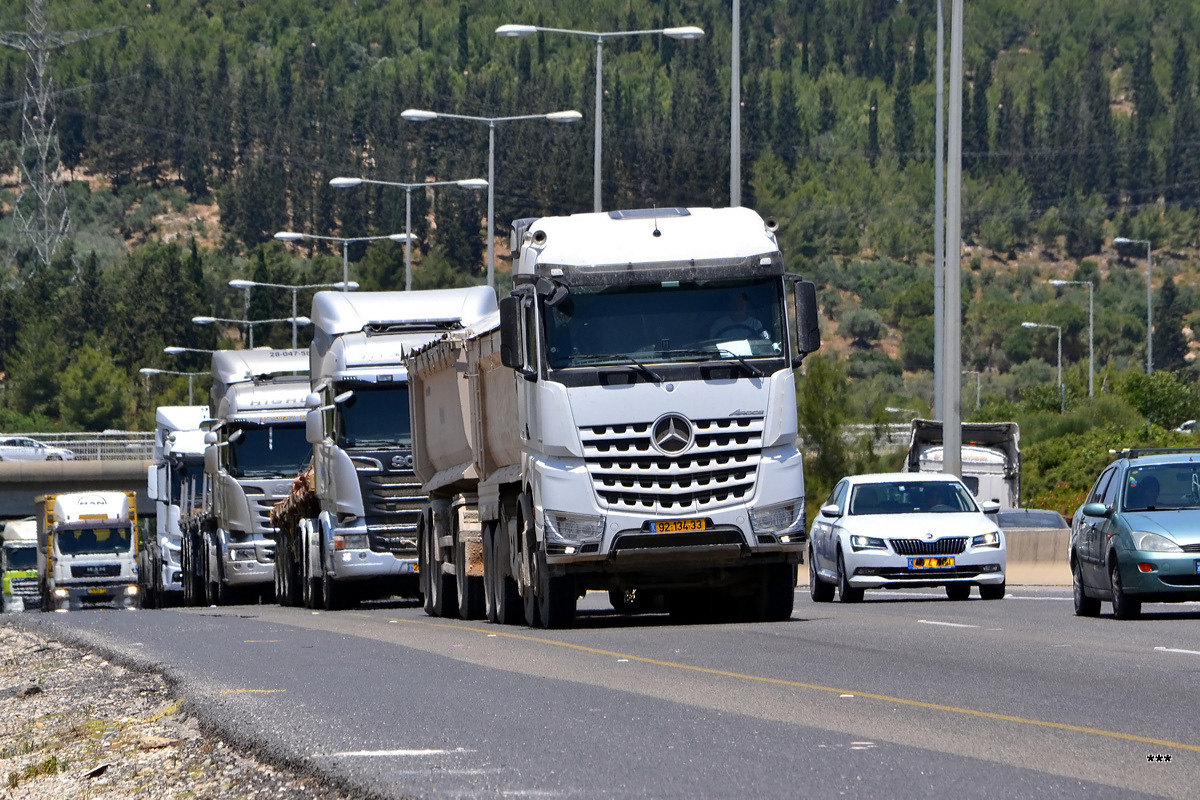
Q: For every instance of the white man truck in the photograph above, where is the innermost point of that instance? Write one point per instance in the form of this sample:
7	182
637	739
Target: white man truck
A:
18	565
626	423
87	550
178	460
348	531
991	457
255	445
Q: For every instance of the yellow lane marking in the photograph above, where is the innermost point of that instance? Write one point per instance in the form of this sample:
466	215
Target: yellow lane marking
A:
250	691
1062	726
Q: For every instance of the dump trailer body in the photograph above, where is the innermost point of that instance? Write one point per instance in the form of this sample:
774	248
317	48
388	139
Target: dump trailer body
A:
991	457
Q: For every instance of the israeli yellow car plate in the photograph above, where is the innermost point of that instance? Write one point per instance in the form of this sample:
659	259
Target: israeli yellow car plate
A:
944	562
97	590
678	525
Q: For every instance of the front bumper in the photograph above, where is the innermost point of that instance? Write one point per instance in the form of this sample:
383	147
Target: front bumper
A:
356	565
1161	577
869	570
116	595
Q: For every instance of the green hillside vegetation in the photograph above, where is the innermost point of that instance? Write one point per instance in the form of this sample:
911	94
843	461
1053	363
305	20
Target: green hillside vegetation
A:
201	127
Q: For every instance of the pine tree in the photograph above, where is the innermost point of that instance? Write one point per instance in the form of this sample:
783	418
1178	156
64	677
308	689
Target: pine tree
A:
1169	344
902	121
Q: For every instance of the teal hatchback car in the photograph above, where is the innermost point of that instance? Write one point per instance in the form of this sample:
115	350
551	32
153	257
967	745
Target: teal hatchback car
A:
1136	538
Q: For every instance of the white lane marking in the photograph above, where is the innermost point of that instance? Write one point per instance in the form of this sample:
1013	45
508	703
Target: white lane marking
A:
1177	650
388	753
946	624
845	695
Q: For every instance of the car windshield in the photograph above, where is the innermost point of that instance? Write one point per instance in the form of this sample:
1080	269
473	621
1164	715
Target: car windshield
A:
82	541
1155	487
1030	518
911	497
21	557
375	417
672	322
269	451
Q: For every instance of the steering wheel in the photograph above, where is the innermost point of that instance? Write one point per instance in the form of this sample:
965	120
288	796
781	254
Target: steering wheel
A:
750	332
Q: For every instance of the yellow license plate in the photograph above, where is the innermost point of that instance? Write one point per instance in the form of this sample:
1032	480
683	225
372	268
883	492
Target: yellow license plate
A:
97	590
678	525
945	562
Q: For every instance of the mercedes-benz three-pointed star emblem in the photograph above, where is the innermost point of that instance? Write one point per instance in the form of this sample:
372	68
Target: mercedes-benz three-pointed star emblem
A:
671	434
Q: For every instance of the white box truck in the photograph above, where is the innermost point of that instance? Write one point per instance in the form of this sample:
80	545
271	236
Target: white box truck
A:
348	531
178	461
87	550
625	423
254	447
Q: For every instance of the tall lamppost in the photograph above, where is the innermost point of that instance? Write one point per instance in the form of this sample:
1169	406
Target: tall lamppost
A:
1062	390
418	115
685	34
1121	241
345	241
238	283
250	323
1091	330
467	183
174	351
189	375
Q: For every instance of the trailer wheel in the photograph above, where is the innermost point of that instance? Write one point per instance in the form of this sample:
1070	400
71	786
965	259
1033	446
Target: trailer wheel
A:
442	593
424	562
469	588
489	572
310	588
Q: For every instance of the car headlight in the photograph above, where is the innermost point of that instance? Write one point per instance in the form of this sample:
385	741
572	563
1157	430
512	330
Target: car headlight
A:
989	539
350	541
781	519
866	543
1154	543
563	528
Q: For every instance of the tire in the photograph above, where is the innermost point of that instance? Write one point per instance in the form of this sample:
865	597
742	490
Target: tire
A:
489	573
471	601
1124	607
1084	606
527	544
960	591
993	591
332	594
818	589
777	593
555	596
424	562
509	609
443	592
846	592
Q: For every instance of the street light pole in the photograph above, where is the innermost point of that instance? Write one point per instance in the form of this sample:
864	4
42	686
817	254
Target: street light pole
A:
292	236
1091	330
419	115
1121	240
1062	390
250	323
514	31
189	375
238	283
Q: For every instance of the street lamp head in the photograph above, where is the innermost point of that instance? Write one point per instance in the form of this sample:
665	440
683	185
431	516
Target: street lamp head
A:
204	320
299	320
239	283
149	371
564	116
418	115
174	351
289	236
345	286
345	183
401	237
514	31
1121	240
686	33
472	183
1030	325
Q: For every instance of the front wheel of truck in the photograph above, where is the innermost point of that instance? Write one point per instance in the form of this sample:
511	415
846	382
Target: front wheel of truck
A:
555	595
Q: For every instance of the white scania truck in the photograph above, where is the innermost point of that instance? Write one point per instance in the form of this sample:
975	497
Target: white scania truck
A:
348	530
178	460
87	550
254	448
626	423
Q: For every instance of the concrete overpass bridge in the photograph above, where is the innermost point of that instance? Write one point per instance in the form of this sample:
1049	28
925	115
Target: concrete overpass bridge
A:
109	461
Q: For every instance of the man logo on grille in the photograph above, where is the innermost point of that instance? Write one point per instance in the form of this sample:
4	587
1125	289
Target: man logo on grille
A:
671	434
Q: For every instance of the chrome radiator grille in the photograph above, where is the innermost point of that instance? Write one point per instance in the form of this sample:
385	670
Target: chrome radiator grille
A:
938	547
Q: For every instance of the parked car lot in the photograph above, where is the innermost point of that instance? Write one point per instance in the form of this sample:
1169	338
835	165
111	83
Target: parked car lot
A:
1136	538
904	529
22	448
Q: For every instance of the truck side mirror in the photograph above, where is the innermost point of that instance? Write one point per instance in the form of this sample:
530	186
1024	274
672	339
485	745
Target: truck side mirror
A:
807	313
212	459
314	430
152	482
510	333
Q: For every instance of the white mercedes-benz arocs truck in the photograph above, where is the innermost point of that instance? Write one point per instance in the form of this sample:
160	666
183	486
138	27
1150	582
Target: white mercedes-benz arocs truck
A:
348	531
87	550
627	423
178	459
255	446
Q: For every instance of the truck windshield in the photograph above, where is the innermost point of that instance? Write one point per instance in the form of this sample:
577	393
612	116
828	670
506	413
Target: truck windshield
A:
20	558
269	451
376	416
672	321
83	541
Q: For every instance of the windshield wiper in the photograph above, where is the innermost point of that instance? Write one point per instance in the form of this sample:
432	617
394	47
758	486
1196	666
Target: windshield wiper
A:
707	355
633	362
754	371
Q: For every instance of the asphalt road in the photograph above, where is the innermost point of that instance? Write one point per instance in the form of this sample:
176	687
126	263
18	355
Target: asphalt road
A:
905	695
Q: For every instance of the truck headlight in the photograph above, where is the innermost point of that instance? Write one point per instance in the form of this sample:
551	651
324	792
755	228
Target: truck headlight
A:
349	541
781	519
989	539
563	528
60	593
866	543
131	591
242	554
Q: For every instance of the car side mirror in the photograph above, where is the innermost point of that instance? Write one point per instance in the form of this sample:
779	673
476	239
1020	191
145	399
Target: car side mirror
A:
832	510
990	507
1096	510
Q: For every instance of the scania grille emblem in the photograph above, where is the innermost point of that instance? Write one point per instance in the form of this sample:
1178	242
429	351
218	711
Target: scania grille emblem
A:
671	434
402	462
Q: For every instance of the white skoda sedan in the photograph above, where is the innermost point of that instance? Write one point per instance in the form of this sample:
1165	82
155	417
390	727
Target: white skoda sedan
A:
904	529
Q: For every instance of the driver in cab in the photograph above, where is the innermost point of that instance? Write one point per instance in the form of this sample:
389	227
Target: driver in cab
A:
738	323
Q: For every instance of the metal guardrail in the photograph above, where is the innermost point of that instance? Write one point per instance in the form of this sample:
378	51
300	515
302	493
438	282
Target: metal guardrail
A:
105	446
